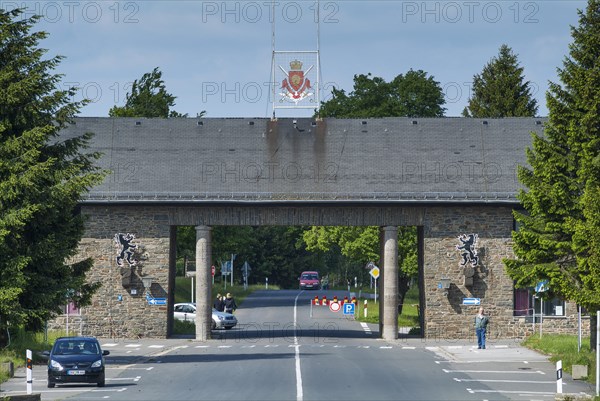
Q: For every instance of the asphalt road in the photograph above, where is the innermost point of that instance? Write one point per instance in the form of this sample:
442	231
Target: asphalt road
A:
286	349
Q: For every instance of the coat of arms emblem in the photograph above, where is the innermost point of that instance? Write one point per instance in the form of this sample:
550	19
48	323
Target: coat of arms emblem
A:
296	87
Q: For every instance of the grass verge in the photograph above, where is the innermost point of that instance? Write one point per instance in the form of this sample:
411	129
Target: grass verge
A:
20	342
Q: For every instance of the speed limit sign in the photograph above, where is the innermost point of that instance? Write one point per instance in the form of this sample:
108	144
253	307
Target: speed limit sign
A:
334	306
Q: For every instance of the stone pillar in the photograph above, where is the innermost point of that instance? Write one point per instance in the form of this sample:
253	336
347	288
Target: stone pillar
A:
390	284
203	283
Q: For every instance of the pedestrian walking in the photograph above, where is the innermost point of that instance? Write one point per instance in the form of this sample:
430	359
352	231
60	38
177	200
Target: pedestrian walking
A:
229	303
219	304
481	322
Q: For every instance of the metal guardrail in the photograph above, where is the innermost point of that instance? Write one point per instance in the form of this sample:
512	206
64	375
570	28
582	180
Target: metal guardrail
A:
304	196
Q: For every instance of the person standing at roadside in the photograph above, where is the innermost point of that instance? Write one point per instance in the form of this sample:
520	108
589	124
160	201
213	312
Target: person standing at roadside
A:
481	322
219	304
229	302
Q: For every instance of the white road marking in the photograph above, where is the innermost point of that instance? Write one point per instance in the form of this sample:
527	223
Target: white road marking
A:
385	347
505	381
114	379
299	393
537	372
110	345
524	393
133	346
67	390
410	348
162	346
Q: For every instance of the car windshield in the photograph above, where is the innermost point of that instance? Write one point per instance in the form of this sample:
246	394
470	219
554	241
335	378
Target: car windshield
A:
69	347
310	277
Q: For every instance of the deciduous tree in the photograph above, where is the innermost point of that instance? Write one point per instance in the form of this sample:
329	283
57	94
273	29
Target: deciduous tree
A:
413	94
148	98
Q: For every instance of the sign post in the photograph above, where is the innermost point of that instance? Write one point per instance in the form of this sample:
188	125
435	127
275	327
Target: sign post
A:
374	272
541	286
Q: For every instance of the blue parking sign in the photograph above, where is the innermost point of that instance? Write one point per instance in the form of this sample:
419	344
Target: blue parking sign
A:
349	309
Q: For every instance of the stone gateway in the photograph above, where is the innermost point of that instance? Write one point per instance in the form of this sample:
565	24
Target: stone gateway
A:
452	178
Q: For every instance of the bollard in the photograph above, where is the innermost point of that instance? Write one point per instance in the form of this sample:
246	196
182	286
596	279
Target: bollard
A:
29	372
366	303
559	377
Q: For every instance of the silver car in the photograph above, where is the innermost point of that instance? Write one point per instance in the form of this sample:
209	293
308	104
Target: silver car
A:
220	320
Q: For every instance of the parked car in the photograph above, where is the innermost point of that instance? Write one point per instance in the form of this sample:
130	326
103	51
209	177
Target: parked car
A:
220	320
309	280
76	360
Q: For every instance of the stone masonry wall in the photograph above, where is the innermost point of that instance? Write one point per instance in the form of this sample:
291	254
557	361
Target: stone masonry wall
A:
120	308
445	314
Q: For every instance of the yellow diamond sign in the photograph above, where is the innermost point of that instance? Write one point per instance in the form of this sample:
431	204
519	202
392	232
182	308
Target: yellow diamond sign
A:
374	272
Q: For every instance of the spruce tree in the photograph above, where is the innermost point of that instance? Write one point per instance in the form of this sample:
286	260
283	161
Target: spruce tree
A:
558	238
501	90
42	177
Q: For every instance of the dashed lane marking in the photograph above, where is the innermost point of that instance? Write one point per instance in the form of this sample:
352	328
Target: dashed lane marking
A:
537	372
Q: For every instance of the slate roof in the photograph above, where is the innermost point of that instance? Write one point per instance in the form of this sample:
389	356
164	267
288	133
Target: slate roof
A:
406	160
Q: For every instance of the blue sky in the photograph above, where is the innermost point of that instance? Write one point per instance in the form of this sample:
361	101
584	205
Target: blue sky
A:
216	55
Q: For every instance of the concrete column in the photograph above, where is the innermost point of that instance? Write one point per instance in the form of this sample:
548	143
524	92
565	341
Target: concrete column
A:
203	283
390	284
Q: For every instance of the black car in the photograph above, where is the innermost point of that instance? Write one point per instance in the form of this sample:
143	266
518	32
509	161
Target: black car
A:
76	360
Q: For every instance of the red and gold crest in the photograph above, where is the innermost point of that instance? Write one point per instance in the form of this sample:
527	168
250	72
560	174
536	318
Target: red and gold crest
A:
296	86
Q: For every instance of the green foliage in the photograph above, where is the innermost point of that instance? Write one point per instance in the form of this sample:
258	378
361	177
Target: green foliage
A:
41	182
559	229
408	318
274	252
148	98
561	347
413	94
500	90
20	341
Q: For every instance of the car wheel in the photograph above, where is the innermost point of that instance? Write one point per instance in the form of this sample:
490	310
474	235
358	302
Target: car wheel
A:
228	327
101	384
214	325
51	385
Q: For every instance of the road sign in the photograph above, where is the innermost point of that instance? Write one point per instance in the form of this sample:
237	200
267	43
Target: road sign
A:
374	272
542	286
334	306
212	270
471	301
349	309
155	301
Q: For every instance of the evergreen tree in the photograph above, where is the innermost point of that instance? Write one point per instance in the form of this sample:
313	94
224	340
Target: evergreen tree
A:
42	178
148	98
558	238
501	90
411	95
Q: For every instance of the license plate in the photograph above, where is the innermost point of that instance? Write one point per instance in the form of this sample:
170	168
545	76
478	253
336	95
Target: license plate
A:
76	372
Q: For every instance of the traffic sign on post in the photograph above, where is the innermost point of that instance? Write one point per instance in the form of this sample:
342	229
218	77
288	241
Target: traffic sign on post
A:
542	286
349	309
334	306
